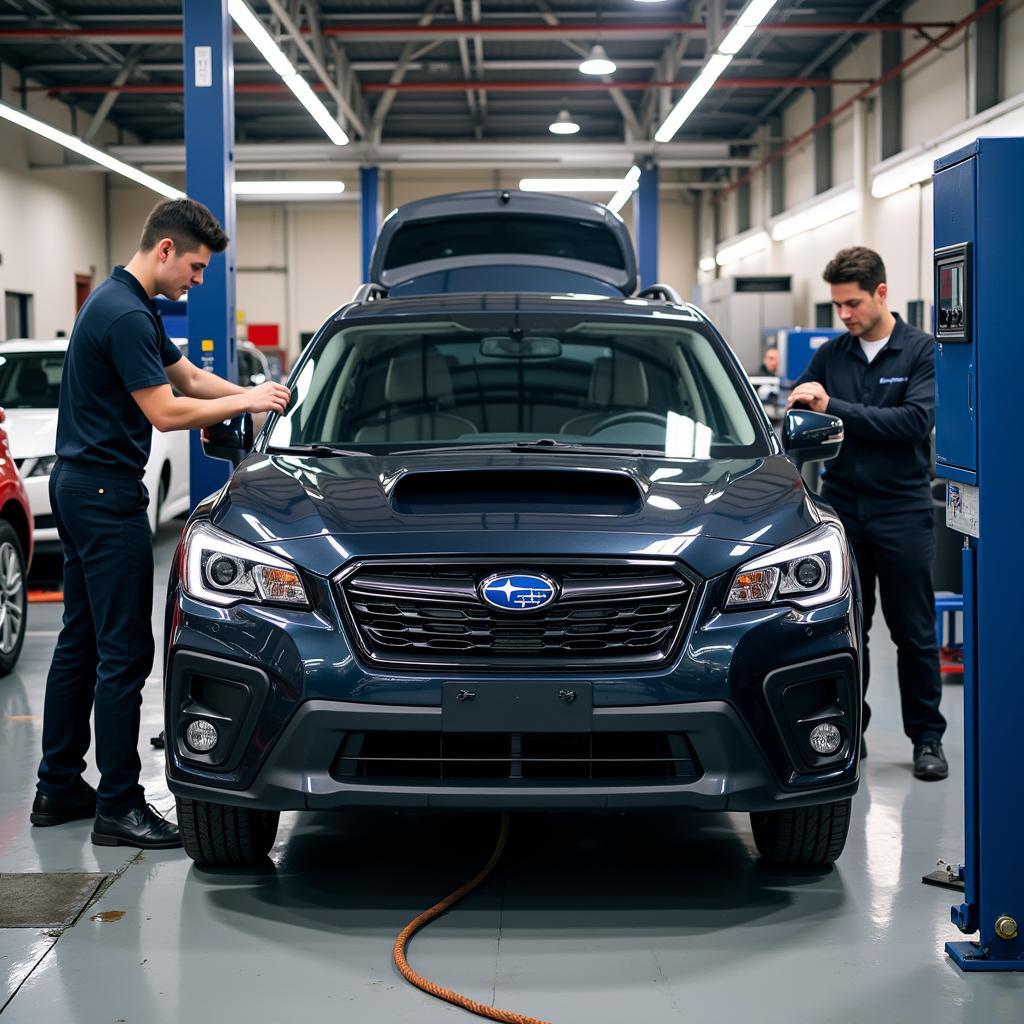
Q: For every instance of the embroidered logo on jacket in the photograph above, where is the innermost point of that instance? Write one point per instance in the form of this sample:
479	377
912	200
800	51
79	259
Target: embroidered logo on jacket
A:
892	380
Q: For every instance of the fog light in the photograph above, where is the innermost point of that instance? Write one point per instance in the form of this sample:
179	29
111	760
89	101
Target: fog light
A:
826	738
201	736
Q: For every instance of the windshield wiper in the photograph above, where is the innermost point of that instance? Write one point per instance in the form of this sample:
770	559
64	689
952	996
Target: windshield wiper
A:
544	444
313	449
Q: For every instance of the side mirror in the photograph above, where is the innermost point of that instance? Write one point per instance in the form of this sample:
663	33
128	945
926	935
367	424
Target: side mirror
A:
811	436
230	439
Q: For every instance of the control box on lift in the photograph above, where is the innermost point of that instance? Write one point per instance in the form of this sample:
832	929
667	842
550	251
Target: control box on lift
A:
979	362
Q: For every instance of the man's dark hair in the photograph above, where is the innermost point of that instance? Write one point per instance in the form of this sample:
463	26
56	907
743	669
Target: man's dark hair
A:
187	223
856	264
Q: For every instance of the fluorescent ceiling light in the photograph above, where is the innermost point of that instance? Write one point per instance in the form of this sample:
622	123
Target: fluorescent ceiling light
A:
76	145
563	124
707	263
261	39
742	29
289	188
573	184
598	63
744	247
911	172
629	185
815	215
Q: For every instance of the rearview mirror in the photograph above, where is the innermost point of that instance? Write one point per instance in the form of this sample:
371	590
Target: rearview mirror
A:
230	439
811	436
506	347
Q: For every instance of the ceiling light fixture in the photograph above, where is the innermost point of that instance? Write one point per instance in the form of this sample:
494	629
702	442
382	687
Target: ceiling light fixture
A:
563	124
260	38
598	62
76	145
629	185
278	189
744	247
573	184
742	29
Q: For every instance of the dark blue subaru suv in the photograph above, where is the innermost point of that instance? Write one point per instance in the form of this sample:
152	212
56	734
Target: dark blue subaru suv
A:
524	538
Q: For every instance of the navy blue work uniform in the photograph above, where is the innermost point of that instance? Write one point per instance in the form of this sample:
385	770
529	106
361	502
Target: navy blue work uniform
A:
105	649
879	484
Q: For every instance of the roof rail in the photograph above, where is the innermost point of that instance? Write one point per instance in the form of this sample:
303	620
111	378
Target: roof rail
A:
370	293
665	292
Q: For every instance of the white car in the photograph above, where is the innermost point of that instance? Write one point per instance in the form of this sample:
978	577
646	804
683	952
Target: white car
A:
30	373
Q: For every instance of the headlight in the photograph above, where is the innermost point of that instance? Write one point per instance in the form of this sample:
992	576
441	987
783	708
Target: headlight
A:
43	466
222	570
810	571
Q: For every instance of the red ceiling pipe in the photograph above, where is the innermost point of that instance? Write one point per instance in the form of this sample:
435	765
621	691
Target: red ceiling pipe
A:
147	33
173	88
892	73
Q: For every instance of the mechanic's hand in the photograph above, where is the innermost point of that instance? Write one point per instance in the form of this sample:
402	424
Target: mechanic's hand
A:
811	394
268	397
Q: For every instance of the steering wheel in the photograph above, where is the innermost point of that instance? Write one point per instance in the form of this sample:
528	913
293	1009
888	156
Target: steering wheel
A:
636	416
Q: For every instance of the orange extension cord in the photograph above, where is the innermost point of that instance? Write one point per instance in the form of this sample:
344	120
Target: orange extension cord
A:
430	987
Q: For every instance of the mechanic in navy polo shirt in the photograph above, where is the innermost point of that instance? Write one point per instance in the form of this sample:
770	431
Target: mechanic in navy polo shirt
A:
116	387
879	379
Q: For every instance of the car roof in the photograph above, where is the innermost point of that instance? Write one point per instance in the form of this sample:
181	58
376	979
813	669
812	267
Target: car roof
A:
517	302
34	345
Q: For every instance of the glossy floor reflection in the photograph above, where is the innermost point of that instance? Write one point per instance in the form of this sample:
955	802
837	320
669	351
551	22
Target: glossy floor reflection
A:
652	917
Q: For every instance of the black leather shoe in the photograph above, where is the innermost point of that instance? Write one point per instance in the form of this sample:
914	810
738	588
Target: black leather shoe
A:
143	827
56	810
929	761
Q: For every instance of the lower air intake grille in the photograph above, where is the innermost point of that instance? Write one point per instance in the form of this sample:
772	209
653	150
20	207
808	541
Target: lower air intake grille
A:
612	615
630	758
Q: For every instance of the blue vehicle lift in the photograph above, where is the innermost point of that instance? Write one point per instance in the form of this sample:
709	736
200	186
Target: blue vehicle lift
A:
210	178
646	221
979	227
369	213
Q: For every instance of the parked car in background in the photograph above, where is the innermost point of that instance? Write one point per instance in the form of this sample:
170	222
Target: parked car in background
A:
15	555
30	373
253	368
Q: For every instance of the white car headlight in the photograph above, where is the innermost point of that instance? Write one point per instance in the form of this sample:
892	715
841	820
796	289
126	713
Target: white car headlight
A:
810	571
222	570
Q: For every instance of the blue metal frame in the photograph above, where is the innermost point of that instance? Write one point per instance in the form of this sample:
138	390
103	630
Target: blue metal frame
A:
977	201
210	178
646	223
369	213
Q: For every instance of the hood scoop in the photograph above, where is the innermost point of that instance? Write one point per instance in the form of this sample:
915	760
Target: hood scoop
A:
573	492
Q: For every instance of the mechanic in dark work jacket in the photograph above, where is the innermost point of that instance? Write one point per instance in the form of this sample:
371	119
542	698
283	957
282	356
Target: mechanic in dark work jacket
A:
879	378
116	387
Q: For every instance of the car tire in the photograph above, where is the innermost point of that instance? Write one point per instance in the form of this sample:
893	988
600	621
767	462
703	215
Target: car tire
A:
221	835
13	598
804	837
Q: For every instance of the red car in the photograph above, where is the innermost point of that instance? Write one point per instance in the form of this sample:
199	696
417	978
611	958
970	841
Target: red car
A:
15	556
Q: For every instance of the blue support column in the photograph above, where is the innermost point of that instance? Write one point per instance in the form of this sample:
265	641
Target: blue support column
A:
210	178
369	212
646	224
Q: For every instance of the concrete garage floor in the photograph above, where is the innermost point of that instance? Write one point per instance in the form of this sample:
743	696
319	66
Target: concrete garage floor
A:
654	917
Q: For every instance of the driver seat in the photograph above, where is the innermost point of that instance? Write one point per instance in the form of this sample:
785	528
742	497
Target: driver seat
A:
617	384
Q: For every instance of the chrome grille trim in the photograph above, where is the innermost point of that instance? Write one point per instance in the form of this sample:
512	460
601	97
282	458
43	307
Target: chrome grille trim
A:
611	615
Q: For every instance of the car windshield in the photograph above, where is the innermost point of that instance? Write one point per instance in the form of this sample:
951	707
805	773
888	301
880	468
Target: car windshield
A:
618	384
30	380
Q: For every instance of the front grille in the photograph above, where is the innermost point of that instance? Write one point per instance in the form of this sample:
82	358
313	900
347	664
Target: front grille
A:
635	758
612	615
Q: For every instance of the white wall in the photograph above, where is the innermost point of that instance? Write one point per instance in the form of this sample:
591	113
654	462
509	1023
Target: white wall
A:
52	223
935	100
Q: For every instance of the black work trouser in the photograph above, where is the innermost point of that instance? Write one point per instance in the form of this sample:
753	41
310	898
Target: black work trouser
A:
897	552
105	648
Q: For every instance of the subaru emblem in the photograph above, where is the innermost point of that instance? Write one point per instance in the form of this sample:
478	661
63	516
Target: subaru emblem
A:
517	591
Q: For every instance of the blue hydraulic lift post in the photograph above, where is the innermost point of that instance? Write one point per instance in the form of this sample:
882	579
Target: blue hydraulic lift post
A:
369	212
210	179
646	223
978	223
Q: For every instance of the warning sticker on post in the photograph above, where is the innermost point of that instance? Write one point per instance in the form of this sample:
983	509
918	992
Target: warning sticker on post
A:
962	508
